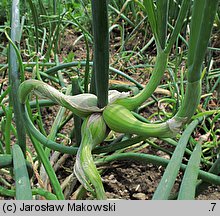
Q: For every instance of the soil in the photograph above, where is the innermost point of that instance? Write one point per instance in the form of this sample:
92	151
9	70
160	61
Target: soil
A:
129	180
133	181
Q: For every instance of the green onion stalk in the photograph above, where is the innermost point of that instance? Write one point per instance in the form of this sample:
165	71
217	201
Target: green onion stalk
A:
77	120
132	103
188	187
201	26
16	75
161	16
82	104
93	133
101	50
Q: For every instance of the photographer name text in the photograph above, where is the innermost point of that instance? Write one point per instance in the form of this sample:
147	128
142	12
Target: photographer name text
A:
69	206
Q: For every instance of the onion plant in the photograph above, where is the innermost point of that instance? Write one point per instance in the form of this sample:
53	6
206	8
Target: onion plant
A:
104	111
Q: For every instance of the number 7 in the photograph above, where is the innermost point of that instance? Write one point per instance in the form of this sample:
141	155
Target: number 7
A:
214	204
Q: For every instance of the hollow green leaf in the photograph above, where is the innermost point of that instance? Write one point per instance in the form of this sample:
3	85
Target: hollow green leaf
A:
16	71
101	50
179	23
166	184
22	182
188	185
162	19
203	15
150	9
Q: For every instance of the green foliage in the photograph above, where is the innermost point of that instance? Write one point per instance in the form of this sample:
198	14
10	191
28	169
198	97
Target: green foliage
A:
158	47
4	11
